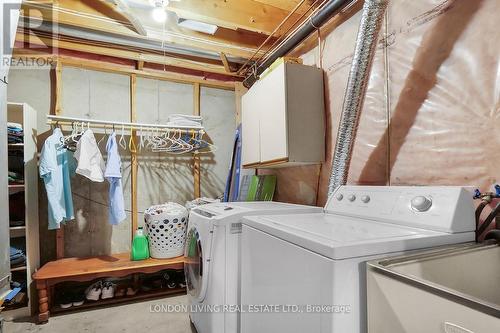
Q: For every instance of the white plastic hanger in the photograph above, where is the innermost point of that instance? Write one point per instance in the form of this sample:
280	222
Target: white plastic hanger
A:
141	140
200	142
123	142
102	138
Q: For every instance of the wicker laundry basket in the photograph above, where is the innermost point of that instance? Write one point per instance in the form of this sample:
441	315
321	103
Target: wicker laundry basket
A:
166	229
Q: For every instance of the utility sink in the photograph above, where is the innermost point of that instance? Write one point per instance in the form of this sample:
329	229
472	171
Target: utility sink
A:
453	290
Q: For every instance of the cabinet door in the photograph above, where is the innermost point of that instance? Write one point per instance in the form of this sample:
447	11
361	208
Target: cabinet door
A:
250	113
273	119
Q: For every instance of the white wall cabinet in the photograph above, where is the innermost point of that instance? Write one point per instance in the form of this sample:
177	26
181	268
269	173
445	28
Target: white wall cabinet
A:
283	118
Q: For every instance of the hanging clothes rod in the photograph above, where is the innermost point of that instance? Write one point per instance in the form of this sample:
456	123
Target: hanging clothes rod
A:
51	120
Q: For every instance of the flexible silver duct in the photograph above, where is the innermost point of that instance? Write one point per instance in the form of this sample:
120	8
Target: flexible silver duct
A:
369	28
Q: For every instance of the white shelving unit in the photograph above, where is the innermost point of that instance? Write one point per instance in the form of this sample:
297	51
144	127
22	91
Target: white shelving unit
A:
29	233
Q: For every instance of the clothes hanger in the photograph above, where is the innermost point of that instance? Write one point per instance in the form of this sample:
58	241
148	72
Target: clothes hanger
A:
175	145
151	139
123	142
186	146
165	142
102	138
204	144
141	140
131	144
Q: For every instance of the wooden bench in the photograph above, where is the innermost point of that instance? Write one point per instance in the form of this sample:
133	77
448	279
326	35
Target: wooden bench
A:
88	269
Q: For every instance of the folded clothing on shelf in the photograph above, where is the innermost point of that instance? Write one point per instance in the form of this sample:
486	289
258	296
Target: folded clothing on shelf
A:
14	125
184	120
15	132
15	178
17	257
16	223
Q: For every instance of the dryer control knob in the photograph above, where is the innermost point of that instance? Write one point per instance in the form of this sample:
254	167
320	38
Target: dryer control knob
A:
351	197
340	196
421	203
365	198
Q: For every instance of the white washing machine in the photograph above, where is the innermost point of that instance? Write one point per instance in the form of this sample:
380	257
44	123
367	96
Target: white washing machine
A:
306	273
212	260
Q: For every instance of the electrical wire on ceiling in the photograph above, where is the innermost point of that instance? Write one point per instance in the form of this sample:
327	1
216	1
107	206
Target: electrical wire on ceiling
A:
272	34
285	38
290	32
293	26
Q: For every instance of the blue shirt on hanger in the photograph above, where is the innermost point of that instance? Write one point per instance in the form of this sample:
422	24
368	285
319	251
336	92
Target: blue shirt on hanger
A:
113	174
57	165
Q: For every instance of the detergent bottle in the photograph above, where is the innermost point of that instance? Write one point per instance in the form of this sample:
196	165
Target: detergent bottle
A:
140	246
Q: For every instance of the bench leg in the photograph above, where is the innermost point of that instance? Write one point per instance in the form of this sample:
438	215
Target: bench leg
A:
43	304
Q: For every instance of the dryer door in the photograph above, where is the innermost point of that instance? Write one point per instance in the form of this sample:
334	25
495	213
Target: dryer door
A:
196	264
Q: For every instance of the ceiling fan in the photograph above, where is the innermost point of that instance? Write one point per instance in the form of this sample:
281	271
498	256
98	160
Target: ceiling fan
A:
159	14
159	9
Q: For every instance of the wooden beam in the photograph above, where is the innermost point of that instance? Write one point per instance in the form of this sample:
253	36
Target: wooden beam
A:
225	62
239	91
133	155
196	157
117	10
233	14
76	13
122	8
58	89
126	70
56	98
125	54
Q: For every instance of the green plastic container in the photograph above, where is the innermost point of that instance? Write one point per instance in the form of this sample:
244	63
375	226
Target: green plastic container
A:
140	246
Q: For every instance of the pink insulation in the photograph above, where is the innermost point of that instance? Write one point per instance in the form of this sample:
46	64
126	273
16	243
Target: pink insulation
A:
432	111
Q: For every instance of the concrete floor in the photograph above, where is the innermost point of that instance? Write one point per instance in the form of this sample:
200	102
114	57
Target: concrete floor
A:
134	317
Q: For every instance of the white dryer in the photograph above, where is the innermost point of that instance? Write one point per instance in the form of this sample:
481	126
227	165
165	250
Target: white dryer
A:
306	273
212	260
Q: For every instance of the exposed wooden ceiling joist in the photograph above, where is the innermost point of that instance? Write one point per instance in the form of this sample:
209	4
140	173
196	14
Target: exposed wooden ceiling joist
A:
80	14
233	14
225	62
121	8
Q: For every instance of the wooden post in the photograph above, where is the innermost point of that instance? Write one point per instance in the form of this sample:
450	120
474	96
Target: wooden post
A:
58	88
133	154
196	157
239	91
43	302
57	110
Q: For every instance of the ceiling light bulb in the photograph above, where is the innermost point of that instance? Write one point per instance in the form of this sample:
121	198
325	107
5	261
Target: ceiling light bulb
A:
159	14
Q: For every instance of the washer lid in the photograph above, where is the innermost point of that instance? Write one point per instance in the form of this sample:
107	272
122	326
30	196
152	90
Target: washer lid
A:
223	210
342	237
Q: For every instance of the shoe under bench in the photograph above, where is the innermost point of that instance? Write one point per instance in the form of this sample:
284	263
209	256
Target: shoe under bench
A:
91	268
